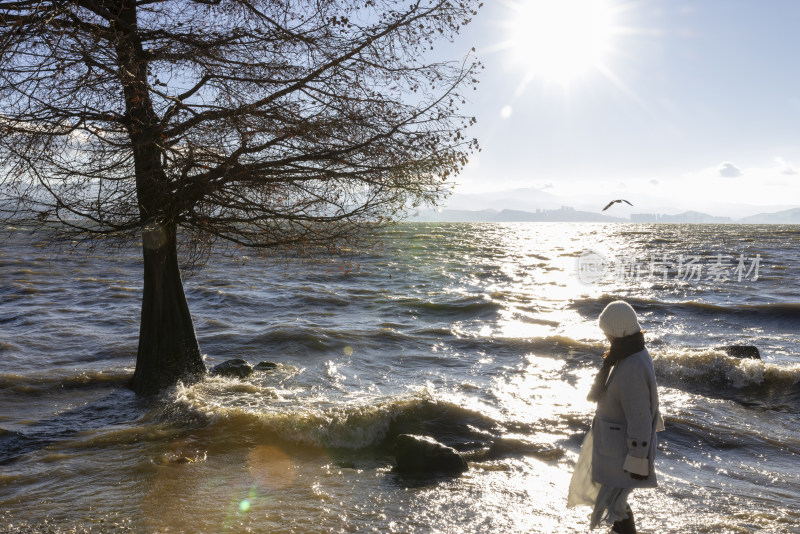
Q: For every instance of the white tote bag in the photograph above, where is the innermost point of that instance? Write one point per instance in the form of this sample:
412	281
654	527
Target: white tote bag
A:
582	490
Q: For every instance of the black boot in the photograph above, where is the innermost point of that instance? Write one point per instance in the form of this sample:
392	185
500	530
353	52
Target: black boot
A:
625	526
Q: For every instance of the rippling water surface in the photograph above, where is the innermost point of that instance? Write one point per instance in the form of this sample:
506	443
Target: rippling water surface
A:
481	335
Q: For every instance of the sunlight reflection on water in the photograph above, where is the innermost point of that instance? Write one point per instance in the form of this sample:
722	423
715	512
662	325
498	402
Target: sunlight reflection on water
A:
481	335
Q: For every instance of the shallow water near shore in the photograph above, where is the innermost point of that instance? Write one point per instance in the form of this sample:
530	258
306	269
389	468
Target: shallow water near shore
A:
481	335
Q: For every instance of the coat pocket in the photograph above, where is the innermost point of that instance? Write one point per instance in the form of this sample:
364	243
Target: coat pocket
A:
610	438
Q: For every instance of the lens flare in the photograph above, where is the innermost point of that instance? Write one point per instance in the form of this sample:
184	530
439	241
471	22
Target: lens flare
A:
271	467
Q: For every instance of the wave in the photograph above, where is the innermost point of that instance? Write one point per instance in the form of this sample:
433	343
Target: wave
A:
298	340
296	337
368	424
775	311
323	299
714	371
12	319
466	307
5	346
41	383
321	340
568	344
119	407
554	346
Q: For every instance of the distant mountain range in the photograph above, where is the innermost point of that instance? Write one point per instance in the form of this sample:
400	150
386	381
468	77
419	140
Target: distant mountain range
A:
791	216
568	214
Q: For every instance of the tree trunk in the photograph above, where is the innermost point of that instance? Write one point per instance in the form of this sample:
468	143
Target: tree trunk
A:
168	349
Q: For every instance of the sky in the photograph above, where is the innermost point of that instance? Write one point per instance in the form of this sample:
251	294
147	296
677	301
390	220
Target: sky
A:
672	105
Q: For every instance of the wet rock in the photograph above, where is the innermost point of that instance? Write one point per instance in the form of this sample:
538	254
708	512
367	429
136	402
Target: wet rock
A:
266	366
424	455
741	351
236	368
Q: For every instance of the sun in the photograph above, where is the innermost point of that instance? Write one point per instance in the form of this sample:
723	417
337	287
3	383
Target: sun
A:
559	40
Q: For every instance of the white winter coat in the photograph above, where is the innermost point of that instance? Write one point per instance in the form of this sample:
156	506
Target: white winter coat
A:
625	425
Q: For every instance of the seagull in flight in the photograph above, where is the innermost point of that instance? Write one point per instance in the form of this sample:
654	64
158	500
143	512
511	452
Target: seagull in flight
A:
615	201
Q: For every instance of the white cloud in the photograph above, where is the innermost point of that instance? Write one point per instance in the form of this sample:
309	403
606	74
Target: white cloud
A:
654	182
506	112
786	167
729	170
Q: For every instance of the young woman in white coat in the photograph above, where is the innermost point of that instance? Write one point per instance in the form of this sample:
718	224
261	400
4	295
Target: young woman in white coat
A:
626	420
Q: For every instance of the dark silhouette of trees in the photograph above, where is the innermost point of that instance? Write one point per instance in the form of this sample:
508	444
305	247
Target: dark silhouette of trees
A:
264	123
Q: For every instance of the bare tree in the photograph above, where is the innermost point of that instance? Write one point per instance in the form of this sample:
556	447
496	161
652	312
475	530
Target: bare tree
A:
266	123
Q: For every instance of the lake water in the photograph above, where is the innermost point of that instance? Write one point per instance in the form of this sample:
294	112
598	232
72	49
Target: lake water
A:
482	335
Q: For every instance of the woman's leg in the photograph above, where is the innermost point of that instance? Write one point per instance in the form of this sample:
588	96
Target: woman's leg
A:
625	526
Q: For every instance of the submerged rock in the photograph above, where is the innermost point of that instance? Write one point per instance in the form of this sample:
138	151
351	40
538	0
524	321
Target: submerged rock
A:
266	366
425	455
236	368
741	351
505	447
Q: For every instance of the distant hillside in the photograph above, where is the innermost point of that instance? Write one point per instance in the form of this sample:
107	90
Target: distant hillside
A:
455	216
568	214
696	217
791	216
565	214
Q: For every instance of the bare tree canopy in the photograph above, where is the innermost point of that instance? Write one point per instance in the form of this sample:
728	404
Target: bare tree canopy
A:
244	120
260	122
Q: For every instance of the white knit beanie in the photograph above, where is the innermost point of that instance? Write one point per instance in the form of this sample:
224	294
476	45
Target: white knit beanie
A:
619	319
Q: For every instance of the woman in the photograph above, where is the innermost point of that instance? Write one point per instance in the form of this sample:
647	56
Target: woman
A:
626	420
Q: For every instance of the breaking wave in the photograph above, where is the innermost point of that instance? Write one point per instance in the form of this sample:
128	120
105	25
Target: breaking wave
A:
361	425
714	370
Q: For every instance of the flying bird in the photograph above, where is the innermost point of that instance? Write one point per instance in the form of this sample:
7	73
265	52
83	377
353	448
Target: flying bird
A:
615	201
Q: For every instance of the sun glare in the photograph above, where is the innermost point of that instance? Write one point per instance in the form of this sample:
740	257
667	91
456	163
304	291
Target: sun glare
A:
559	40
